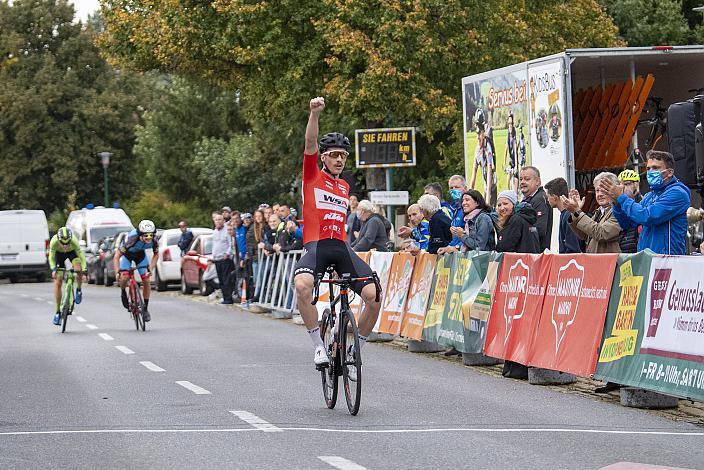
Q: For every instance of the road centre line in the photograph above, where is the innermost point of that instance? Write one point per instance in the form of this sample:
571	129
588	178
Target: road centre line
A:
50	302
255	421
193	387
106	337
124	349
91	326
39	299
341	463
80	319
153	367
24	295
363	431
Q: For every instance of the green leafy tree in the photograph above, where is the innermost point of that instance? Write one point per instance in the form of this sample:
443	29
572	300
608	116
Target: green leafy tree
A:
650	22
60	104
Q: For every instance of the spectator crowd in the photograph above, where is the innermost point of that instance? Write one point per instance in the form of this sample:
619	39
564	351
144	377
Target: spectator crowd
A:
612	218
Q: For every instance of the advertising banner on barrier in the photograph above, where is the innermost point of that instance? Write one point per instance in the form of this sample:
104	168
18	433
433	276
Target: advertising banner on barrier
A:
418	296
441	284
572	318
356	304
476	303
659	344
381	263
517	304
394	301
450	332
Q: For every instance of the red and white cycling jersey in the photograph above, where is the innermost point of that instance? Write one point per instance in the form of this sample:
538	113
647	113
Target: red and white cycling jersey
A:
325	203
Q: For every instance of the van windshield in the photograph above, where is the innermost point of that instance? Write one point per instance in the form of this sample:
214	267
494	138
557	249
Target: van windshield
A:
99	232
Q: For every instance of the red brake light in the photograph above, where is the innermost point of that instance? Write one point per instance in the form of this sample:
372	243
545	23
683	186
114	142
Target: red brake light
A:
46	246
167	255
663	48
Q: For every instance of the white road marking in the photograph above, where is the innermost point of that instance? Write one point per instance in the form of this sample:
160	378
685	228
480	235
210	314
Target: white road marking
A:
39	299
106	336
153	367
124	349
370	431
24	295
255	421
90	326
50	302
193	387
339	462
80	319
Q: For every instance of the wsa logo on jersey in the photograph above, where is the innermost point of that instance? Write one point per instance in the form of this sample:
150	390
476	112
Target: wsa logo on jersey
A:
329	201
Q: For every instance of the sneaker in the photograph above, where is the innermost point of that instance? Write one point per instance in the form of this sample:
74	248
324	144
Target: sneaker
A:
125	302
145	315
351	370
609	387
57	319
451	352
226	302
79	296
321	357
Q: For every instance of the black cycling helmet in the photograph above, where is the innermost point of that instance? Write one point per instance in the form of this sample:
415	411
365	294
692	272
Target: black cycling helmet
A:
334	140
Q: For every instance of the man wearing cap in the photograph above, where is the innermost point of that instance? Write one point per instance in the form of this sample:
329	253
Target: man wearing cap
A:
226	214
186	237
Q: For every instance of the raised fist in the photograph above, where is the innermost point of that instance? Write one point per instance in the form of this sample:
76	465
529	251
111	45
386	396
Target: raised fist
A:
317	104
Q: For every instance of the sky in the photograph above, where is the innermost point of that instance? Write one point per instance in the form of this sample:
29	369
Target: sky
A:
85	7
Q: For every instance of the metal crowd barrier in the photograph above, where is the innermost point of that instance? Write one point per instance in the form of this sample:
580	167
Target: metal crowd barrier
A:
274	287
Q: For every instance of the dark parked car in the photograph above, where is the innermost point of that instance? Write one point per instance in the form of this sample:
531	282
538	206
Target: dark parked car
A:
109	275
95	261
194	264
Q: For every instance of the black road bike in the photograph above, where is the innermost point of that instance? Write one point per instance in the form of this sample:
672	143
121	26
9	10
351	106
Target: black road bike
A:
341	337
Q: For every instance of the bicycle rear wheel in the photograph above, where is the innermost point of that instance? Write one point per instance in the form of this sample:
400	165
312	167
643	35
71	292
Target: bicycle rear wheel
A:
351	363
329	374
139	308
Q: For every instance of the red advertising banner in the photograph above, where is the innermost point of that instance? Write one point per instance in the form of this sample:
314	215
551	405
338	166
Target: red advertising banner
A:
418	296
572	318
517	304
396	291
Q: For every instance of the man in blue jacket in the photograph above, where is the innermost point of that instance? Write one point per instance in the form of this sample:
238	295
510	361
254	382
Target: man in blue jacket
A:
663	211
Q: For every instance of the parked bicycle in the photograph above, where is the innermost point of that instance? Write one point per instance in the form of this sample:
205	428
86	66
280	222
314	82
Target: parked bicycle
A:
68	296
136	301
341	339
653	118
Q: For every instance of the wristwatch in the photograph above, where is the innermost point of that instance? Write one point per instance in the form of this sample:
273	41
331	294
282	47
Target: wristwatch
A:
576	214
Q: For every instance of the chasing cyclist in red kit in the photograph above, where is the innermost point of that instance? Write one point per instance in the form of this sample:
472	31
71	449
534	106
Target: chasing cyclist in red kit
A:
325	205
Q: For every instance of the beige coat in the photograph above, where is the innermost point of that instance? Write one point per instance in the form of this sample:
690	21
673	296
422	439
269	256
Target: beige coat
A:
601	236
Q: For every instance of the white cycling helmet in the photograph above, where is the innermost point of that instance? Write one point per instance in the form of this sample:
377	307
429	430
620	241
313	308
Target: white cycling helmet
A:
146	226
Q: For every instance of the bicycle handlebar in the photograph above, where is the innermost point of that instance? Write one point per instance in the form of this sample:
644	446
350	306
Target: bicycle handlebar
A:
345	281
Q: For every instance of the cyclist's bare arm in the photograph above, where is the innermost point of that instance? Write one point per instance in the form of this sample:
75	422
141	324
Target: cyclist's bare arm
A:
316	107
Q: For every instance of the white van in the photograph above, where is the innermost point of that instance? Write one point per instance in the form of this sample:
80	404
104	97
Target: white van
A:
90	225
24	243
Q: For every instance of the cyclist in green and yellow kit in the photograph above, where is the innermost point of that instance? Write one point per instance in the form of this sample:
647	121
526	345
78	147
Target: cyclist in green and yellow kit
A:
64	246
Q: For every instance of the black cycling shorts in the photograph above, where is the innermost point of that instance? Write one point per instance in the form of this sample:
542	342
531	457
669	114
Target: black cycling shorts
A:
61	258
321	254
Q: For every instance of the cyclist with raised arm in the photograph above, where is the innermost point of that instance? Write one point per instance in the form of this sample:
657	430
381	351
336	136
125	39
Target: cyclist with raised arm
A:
65	247
325	203
134	248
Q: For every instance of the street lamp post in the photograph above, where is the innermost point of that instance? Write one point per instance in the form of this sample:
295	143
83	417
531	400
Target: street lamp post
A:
105	160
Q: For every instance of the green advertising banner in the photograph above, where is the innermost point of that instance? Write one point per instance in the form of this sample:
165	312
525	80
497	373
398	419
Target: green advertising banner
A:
476	302
444	271
652	337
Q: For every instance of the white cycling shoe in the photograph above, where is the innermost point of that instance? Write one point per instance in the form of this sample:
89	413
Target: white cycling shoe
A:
321	357
351	370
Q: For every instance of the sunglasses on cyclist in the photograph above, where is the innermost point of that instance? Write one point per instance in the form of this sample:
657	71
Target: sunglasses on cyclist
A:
148	236
336	154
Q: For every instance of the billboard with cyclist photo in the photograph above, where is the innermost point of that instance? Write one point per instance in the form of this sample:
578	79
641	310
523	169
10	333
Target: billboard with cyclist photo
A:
496	129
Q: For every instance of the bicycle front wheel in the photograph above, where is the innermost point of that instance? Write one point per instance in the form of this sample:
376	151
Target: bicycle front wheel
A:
139	308
64	314
351	361
329	374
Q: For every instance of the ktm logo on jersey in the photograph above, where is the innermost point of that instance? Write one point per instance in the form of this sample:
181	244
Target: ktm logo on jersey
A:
332	216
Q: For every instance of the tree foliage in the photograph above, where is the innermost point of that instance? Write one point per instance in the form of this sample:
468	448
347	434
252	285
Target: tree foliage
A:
650	22
60	104
378	62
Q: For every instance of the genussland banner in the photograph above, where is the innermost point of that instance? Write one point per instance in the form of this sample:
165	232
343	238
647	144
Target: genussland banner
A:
394	301
572	319
438	299
476	305
418	296
659	344
517	304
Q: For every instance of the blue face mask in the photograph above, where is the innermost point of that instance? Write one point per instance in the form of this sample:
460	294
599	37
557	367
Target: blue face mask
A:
455	194
654	179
